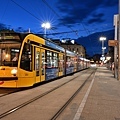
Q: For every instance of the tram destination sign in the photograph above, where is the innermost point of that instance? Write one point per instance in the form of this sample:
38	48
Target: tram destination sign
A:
112	42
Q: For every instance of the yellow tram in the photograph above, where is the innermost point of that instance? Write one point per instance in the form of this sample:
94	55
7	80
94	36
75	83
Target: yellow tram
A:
27	59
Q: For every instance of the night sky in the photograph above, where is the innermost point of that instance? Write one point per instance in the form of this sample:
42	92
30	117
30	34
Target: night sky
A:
68	18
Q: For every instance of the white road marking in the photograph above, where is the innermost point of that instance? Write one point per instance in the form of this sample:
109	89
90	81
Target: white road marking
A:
80	109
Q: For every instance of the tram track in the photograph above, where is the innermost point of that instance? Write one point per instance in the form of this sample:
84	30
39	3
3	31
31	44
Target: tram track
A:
59	112
40	96
5	92
8	91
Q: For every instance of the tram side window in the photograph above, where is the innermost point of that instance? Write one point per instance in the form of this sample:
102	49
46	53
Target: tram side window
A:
52	59
61	63
26	58
69	62
49	59
55	60
43	63
37	63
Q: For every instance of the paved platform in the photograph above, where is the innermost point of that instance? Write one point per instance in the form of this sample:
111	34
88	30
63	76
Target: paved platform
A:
103	102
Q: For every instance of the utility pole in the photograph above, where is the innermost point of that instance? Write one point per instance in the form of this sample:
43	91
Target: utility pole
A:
115	47
119	43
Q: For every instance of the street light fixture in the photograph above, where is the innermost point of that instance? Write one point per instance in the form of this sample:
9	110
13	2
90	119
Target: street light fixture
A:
46	26
103	48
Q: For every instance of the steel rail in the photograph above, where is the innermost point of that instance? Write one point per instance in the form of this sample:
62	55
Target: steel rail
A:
33	99
58	113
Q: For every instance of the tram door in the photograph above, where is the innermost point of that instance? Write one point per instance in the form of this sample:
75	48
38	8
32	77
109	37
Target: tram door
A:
61	64
39	64
42	64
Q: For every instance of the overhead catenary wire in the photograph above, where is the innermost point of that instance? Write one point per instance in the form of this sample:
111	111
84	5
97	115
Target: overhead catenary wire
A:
85	29
4	11
59	16
36	16
25	10
75	31
60	32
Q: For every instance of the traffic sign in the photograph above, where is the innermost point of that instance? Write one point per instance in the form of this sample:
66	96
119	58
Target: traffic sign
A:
112	42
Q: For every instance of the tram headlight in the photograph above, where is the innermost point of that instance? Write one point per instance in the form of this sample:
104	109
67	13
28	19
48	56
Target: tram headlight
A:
14	71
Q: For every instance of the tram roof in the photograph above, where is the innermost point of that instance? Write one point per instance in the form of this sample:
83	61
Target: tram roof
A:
20	36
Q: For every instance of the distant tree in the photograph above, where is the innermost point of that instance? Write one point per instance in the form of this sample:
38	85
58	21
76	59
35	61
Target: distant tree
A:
21	29
3	27
96	57
7	30
88	56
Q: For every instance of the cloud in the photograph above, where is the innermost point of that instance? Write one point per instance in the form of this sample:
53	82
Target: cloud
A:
96	18
73	12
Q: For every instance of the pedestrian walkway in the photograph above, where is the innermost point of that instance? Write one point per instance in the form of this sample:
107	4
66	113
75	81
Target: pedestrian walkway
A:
103	102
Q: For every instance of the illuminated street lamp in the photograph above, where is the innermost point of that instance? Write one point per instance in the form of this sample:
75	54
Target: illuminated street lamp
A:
103	48
46	26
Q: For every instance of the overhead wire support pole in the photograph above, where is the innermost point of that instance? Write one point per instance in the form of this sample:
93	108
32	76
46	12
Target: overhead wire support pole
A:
103	47
119	43
115	47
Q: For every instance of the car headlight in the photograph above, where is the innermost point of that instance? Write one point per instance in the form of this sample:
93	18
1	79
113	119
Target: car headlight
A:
14	71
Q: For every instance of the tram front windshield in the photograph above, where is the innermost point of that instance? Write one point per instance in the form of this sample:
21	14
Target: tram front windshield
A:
9	53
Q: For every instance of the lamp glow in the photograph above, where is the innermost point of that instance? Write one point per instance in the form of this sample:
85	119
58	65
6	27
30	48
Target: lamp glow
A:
103	48
46	26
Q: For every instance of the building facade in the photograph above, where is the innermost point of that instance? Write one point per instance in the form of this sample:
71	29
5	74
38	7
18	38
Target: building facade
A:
74	47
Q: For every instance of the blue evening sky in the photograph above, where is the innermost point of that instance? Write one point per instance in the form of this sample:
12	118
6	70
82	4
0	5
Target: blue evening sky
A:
70	18
65	16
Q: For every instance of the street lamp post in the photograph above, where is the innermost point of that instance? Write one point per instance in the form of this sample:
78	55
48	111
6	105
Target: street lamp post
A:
103	48
46	26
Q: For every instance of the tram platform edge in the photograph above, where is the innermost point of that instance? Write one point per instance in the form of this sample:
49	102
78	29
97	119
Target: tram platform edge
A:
103	101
